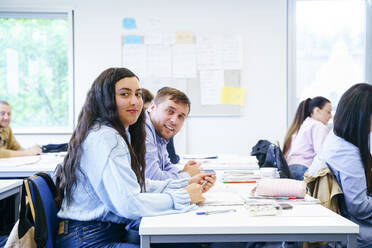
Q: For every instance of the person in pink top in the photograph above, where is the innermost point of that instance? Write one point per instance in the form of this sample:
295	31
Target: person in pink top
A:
306	134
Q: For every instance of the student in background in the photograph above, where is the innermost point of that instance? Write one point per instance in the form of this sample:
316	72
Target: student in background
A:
346	150
306	134
101	183
9	147
165	117
147	97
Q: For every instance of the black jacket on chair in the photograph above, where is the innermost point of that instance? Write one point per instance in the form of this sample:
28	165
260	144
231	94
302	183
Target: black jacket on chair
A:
270	155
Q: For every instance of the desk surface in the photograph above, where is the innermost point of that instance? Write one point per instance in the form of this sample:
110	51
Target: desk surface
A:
310	222
22	167
6	185
313	219
224	162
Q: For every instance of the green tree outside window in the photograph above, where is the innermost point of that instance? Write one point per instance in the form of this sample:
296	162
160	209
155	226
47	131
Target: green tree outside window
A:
34	75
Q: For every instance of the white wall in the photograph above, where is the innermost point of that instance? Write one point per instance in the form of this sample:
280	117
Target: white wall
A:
263	24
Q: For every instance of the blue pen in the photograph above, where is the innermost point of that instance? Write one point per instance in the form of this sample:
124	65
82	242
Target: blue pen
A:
216	212
211	157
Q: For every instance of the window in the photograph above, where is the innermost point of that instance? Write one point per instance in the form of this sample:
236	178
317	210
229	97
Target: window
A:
36	70
327	48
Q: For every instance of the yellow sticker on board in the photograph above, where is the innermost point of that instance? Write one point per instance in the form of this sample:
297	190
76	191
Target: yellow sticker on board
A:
232	95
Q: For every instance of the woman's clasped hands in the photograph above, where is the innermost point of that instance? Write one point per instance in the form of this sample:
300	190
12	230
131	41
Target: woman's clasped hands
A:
198	185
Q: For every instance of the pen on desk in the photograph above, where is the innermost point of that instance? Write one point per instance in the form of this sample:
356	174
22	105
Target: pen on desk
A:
211	157
216	212
240	182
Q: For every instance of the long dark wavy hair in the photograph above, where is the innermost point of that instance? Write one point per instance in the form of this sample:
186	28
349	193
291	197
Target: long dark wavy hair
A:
304	110
352	123
100	108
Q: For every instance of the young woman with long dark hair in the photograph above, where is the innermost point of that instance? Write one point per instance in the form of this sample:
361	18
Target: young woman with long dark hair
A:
346	151
101	184
306	134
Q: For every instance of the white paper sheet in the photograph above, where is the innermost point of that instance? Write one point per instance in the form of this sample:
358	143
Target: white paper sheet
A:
232	52
134	58
211	83
156	38
184	61
19	161
209	52
222	199
159	61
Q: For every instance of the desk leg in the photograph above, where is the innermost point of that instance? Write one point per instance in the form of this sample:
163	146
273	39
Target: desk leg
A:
17	204
145	241
351	240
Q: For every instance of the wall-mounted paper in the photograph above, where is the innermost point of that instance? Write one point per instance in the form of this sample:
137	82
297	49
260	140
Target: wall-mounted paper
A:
154	38
133	39
232	52
211	83
185	37
159	61
209	52
169	38
134	58
129	23
184	61
232	95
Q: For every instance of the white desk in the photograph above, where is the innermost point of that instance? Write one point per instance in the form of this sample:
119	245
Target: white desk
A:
302	223
225	162
9	188
316	224
22	167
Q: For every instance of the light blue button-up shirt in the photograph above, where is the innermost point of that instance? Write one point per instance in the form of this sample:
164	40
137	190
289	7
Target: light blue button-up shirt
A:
109	191
158	164
345	162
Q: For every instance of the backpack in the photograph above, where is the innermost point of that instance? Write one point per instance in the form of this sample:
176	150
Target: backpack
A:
38	221
270	155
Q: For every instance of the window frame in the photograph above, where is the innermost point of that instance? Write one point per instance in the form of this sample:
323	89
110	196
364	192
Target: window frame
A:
51	13
291	53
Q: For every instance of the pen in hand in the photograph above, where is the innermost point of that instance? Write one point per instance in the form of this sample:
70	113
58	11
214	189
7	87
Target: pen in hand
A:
204	183
216	212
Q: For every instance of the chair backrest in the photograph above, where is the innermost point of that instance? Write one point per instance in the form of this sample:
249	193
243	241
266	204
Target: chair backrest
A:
41	186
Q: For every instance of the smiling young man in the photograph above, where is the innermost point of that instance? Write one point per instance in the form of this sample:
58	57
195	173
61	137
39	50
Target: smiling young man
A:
9	147
164	118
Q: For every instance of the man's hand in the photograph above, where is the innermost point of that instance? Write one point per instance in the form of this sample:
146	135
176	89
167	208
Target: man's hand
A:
205	180
34	150
195	192
192	168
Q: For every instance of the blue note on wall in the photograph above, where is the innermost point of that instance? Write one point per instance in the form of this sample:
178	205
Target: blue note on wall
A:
133	39
129	23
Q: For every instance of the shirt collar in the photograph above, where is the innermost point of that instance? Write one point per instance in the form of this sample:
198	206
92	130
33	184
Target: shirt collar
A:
152	128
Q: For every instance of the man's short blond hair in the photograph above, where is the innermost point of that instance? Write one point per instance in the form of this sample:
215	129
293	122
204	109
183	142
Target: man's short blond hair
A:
175	95
4	102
